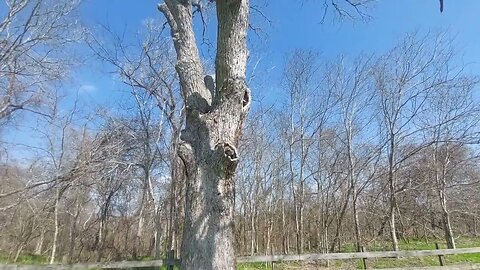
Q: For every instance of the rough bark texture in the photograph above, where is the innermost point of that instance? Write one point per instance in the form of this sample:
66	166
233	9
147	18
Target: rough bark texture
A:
213	127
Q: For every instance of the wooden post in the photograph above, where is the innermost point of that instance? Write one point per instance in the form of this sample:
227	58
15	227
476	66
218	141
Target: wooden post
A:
170	259
441	258
364	260
273	265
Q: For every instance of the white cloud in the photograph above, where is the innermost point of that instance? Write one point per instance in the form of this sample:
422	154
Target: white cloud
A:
87	88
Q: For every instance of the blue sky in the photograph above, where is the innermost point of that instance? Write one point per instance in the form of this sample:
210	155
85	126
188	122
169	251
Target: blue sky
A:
294	24
297	24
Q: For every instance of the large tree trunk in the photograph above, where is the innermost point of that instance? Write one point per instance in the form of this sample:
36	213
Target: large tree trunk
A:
176	196
214	121
208	234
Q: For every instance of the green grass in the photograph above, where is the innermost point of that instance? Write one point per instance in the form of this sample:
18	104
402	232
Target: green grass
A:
155	268
265	266
411	244
253	266
422	244
26	259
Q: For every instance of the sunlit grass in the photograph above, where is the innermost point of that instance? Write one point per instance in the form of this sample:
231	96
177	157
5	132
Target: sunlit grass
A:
26	259
411	244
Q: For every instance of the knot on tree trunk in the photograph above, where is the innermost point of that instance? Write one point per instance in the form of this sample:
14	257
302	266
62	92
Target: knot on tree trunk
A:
228	157
229	151
233	90
246	99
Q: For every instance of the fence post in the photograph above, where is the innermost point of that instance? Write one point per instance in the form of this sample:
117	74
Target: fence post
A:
364	260
170	259
441	258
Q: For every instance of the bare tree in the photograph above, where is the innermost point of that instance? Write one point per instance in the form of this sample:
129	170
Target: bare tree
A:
350	86
299	73
33	36
147	69
405	79
451	121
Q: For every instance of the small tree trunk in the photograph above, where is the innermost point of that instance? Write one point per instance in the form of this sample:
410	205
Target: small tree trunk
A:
301	217
393	229
99	240
56	228
173	207
73	231
284	228
392	191
158	233
17	254
447	227
358	237
343	211
475	230
39	246
138	236
252	231
269	246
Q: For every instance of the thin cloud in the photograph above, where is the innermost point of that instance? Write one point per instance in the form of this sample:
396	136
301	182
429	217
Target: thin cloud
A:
87	88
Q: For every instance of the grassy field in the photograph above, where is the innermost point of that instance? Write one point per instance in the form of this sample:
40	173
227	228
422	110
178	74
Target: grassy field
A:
345	264
27	259
386	263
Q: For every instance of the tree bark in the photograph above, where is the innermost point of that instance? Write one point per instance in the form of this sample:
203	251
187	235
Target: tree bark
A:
39	246
137	245
56	226
392	191
208	146
73	231
441	164
447	225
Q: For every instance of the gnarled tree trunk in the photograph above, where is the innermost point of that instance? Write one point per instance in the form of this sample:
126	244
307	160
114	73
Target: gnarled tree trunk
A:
213	126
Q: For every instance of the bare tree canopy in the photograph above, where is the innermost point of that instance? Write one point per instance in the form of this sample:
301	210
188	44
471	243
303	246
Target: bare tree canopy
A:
33	36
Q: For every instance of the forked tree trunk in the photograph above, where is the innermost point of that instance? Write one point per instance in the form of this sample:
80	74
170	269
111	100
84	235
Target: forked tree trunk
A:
441	180
213	126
